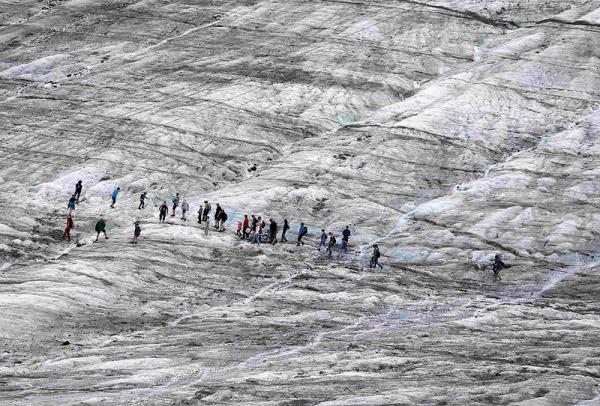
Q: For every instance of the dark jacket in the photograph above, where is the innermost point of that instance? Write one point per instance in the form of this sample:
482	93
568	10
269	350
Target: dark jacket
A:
498	266
100	226
163	209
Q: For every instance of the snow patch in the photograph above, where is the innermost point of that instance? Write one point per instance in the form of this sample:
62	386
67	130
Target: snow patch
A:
435	207
49	68
64	185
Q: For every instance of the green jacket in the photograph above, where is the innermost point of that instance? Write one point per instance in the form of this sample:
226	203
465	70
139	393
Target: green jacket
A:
100	226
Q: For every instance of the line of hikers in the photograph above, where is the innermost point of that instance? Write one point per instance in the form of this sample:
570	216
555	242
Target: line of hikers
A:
251	229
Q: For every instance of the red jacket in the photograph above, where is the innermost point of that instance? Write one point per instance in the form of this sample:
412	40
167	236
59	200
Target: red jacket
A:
70	222
245	223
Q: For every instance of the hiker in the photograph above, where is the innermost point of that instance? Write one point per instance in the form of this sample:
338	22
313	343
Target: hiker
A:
332	242
272	232
70	225
78	188
258	231
284	230
71	204
262	224
200	214
162	212
218	215
497	267
142	201
114	195
346	234
218	211
260	227
101	228
302	231
254	223
206	211
175	202
239	229
222	220
245	225
323	240
206	224
345	239
184	208
136	232
375	258
343	247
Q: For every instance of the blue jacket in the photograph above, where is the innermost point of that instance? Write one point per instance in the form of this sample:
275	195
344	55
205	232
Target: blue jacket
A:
115	193
303	230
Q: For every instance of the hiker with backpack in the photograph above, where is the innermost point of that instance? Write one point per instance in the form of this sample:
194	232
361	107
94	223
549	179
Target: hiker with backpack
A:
206	210
114	195
218	211
70	225
245	226
162	212
346	234
258	231
302	231
101	228
175	202
222	220
142	201
323	240
78	189
497	267
137	231
375	258
332	243
284	230
272	232
71	204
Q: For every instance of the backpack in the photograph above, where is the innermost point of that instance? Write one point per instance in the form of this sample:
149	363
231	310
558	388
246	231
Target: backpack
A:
223	216
303	230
